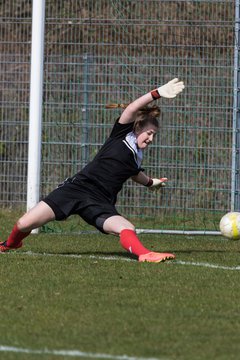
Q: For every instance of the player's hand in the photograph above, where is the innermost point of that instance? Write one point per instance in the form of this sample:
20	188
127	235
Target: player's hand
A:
157	184
171	89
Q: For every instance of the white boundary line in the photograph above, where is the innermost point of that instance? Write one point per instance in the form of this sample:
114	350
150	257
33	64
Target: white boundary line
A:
115	258
76	256
207	265
76	353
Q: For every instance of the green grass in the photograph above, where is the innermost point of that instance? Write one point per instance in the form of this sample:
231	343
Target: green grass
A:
167	311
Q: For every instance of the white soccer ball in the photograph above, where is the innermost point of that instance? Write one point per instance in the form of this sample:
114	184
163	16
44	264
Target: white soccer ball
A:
230	225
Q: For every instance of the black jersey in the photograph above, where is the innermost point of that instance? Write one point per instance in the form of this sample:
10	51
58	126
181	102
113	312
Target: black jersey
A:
117	160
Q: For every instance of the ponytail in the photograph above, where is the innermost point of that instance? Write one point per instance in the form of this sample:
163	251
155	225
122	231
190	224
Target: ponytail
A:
115	106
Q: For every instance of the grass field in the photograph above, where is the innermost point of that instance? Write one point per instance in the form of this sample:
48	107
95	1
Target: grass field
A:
63	293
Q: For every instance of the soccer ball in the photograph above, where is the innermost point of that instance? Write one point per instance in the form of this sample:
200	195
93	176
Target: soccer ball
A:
230	225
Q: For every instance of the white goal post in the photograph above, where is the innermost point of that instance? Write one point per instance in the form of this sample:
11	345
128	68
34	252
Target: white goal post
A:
35	113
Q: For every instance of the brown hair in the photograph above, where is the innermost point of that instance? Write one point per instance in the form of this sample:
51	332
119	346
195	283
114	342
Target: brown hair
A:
146	116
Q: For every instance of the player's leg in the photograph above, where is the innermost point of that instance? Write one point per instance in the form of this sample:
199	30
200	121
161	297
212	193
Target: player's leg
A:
118	225
34	218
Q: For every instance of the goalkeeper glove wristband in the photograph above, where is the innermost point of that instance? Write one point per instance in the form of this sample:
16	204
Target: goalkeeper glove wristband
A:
155	94
155	184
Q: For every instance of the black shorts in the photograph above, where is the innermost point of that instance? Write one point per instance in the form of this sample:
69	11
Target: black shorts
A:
83	199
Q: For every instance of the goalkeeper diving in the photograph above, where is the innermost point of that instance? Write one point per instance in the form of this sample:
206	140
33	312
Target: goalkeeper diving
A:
92	192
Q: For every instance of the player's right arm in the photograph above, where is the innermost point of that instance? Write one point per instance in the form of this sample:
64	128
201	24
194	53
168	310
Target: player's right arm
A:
169	90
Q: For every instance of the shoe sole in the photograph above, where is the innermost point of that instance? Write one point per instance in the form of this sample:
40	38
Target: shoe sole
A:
158	261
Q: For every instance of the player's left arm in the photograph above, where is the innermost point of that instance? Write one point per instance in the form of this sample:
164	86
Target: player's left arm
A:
151	183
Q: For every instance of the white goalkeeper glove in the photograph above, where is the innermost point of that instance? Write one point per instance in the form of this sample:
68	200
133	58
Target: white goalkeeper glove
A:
169	90
156	184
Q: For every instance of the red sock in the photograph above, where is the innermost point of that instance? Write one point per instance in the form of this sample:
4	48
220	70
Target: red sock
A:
16	236
131	243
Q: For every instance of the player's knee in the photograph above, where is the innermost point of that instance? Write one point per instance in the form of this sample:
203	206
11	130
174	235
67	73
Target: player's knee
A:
115	224
128	227
24	225
125	227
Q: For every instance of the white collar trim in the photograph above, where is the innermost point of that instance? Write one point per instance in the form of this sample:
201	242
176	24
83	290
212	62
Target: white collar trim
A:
131	142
